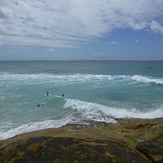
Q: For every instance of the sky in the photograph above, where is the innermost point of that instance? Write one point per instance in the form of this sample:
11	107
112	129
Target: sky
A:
81	29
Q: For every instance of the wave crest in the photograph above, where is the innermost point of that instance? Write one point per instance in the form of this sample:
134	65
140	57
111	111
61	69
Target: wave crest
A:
144	79
78	77
98	112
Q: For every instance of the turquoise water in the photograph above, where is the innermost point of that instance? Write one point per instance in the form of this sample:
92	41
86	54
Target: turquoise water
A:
93	90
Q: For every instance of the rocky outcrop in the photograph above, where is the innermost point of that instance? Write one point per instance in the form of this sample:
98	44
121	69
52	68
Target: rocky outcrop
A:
152	148
129	140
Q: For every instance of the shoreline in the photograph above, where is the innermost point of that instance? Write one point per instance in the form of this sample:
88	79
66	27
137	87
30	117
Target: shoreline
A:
138	139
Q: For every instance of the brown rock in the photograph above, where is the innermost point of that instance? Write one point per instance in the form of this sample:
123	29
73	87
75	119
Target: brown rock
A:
128	140
48	149
152	148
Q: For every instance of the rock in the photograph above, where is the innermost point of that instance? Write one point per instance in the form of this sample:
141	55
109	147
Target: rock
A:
128	140
152	148
61	149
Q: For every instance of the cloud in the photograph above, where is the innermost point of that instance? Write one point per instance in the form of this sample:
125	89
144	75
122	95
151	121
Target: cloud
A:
156	27
100	54
74	23
113	43
51	50
2	15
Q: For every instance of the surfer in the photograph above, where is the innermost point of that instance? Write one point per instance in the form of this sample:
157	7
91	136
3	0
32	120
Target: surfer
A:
60	96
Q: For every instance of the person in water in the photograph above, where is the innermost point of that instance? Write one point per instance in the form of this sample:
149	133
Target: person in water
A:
47	93
62	95
40	104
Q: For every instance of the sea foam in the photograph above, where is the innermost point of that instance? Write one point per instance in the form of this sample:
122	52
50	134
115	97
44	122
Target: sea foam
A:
32	126
77	77
80	112
42	76
100	112
144	79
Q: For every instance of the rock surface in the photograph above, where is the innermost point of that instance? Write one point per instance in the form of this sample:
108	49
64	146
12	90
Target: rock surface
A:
128	140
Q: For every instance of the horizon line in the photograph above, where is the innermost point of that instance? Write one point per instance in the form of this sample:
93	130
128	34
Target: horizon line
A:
28	60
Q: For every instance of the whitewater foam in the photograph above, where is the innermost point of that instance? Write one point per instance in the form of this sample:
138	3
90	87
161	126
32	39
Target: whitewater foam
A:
79	112
33	126
98	112
73	77
147	79
88	110
77	77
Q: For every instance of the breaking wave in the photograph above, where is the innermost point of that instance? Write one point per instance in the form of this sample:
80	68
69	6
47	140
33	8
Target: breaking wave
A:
79	112
98	112
147	79
78	78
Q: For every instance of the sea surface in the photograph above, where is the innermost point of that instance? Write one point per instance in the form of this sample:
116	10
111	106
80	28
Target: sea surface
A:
93	90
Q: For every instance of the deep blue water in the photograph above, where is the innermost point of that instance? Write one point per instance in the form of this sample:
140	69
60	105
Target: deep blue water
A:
94	90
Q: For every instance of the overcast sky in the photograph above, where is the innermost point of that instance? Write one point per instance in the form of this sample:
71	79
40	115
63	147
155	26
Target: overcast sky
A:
81	29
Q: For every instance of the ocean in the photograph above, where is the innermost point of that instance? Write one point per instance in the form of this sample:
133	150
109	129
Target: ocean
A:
93	91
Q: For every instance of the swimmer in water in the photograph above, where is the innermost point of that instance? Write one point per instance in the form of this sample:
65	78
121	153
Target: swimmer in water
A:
47	93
